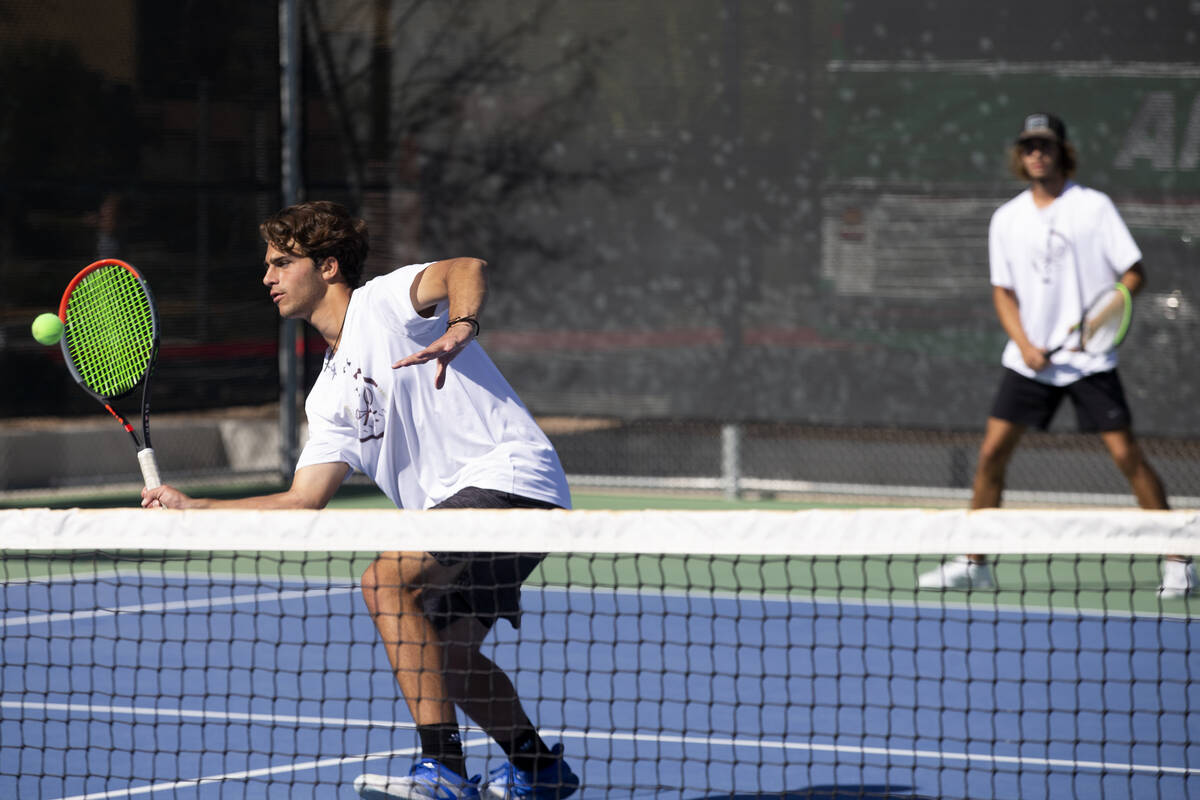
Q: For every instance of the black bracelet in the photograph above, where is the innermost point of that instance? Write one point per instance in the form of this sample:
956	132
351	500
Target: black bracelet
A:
474	323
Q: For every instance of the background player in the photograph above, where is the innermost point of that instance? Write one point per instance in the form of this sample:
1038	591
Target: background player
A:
1052	247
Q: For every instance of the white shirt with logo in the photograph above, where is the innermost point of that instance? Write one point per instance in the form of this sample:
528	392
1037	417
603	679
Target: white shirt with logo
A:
419	444
1057	260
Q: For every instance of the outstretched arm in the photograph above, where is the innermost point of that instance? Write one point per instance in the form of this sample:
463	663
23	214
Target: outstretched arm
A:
312	487
462	282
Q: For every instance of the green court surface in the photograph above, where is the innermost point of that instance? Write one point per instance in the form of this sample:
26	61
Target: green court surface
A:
355	495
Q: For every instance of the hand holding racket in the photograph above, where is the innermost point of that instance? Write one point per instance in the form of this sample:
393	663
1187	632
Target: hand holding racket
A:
1104	323
110	343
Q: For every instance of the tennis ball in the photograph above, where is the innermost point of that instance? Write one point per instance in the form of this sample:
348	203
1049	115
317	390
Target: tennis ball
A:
47	328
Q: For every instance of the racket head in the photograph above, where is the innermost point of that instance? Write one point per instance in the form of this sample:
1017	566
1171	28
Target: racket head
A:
110	328
1107	320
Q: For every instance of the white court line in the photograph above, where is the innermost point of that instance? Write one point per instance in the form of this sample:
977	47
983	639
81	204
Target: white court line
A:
611	737
260	773
202	715
981	607
196	576
934	755
817	596
824	597
177	605
940	757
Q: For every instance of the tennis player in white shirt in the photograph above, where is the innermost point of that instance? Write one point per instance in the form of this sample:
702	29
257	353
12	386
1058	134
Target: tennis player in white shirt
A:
1050	247
409	398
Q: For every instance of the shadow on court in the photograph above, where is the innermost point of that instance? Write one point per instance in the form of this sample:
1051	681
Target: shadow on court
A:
840	792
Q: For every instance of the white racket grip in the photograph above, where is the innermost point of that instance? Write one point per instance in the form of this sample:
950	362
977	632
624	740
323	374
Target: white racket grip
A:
149	468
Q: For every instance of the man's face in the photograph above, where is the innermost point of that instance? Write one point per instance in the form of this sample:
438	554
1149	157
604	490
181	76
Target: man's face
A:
1040	157
294	281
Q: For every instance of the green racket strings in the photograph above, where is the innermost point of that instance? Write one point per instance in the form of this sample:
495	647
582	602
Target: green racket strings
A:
110	331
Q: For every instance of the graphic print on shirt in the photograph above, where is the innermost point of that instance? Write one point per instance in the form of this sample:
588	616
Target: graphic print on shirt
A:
366	409
1056	258
368	417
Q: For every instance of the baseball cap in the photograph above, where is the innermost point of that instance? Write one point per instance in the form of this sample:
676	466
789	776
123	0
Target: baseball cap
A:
1043	126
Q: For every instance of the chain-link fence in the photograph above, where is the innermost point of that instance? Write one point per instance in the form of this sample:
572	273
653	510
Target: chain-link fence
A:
735	244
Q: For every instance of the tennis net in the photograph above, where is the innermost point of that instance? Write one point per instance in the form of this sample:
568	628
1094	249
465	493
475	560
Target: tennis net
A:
215	654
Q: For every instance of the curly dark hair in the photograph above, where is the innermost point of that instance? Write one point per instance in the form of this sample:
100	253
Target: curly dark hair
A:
1068	160
318	230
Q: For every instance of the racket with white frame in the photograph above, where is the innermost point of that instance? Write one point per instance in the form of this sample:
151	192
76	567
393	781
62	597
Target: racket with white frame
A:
110	343
1103	325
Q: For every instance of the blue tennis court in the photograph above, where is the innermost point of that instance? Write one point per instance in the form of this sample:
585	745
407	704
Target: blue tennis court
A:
117	685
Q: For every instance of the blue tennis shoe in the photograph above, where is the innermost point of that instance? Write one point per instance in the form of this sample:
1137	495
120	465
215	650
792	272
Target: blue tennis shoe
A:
507	782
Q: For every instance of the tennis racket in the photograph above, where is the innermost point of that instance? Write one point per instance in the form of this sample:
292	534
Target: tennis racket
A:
1103	324
110	343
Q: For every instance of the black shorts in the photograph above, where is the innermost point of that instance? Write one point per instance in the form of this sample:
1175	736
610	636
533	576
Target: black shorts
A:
489	588
1099	402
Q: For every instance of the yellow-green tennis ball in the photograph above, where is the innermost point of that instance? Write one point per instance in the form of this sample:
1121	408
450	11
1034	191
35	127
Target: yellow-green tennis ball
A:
47	328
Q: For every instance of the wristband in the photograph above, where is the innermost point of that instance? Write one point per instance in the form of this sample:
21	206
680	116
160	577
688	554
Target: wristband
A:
474	323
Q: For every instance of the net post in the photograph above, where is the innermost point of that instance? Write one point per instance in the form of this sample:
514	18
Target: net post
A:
731	460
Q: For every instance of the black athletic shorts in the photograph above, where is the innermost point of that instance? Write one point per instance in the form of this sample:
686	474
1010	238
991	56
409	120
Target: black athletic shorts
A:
1099	402
489	588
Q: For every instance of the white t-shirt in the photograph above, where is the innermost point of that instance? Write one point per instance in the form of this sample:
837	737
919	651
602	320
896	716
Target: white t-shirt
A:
1058	259
420	444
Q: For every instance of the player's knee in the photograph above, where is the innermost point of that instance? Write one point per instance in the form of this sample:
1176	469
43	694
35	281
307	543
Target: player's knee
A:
1128	460
370	583
993	459
385	575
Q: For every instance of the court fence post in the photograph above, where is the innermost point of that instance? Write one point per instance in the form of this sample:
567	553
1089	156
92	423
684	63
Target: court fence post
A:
291	191
731	460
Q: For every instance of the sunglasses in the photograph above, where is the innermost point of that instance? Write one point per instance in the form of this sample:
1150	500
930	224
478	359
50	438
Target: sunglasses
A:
1029	145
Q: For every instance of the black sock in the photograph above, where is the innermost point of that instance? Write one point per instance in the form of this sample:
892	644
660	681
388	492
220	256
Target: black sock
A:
529	753
443	742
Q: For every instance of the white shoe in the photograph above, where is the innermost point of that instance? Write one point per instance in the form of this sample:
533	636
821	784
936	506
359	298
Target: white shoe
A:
1178	578
961	573
428	780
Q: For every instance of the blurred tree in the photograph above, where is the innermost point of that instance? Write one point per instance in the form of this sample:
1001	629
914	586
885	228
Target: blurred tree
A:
455	121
